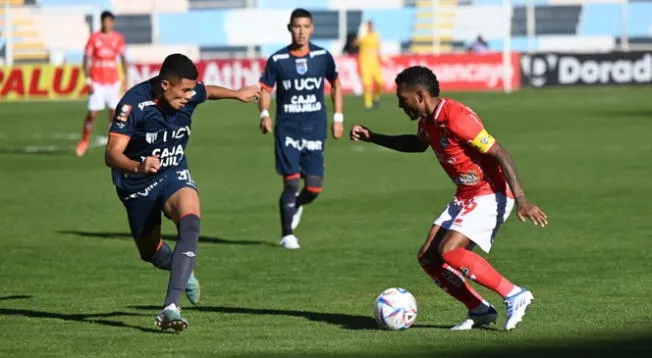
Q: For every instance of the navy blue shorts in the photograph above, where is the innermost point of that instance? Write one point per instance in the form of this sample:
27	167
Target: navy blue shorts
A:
144	207
299	156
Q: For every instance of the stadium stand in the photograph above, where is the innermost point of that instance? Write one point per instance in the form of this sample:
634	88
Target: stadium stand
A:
222	28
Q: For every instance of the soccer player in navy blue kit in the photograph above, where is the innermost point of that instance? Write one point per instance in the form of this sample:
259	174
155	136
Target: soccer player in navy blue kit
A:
298	72
146	151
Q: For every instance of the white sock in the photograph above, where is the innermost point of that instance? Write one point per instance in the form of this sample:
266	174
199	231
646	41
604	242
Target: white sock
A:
172	306
514	291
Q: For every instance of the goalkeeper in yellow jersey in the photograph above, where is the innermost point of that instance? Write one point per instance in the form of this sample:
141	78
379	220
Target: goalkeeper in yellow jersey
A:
369	65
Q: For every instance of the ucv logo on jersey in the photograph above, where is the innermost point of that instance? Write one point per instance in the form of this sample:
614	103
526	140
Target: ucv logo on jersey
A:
302	66
151	137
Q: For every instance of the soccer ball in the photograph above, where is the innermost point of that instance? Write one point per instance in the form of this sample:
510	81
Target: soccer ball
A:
395	309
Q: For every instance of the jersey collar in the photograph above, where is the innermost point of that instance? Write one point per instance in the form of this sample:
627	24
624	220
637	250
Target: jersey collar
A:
438	109
296	53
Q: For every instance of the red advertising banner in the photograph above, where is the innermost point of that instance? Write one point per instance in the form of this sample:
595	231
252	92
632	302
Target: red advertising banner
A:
41	82
456	72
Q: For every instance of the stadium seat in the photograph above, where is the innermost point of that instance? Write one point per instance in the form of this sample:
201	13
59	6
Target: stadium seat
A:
549	20
435	21
28	41
217	4
149	6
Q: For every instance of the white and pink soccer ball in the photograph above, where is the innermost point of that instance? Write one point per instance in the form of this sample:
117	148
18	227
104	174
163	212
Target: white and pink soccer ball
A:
395	309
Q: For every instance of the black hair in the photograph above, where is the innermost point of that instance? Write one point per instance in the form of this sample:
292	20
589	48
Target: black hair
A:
107	15
176	67
419	76
299	13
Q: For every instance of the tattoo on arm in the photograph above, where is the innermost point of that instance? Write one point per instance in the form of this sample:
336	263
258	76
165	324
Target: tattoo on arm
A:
509	169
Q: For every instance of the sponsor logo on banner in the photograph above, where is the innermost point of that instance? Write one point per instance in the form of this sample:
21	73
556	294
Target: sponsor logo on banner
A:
553	69
456	72
459	72
42	82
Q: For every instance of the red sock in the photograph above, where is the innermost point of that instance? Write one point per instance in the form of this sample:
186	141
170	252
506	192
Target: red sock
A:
88	128
454	284
478	269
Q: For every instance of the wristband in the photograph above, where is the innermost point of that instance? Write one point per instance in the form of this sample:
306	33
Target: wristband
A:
338	117
264	113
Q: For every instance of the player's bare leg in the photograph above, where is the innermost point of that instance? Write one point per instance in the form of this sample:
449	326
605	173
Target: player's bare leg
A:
378	89
183	208
452	282
368	92
452	249
82	146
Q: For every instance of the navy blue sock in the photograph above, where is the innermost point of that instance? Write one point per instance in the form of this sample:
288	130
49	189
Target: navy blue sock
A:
183	258
162	258
287	206
306	197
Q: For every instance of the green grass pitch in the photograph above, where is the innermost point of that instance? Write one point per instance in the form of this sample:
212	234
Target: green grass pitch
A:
72	283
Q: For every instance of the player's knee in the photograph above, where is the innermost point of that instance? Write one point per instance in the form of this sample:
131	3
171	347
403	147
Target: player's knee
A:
189	224
291	183
311	193
445	247
423	259
313	187
290	189
146	253
429	258
146	256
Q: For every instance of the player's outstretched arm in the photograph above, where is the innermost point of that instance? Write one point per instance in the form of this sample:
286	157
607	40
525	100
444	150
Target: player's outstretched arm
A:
407	143
245	94
526	210
115	158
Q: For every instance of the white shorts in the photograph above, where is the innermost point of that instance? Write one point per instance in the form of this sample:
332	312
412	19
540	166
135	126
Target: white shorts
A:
478	218
104	96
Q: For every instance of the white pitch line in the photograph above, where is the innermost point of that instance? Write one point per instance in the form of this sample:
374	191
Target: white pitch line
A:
98	141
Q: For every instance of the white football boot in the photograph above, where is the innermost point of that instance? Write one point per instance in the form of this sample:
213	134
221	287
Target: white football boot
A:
290	242
516	305
477	320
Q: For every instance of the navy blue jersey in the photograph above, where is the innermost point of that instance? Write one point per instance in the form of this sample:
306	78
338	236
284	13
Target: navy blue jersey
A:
299	81
153	131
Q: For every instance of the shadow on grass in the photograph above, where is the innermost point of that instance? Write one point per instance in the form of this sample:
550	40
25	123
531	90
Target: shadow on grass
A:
437	326
205	239
38	150
346	321
620	345
15	297
94	318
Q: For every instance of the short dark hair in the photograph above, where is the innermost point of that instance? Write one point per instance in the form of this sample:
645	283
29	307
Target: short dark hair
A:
176	67
419	76
107	14
299	13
